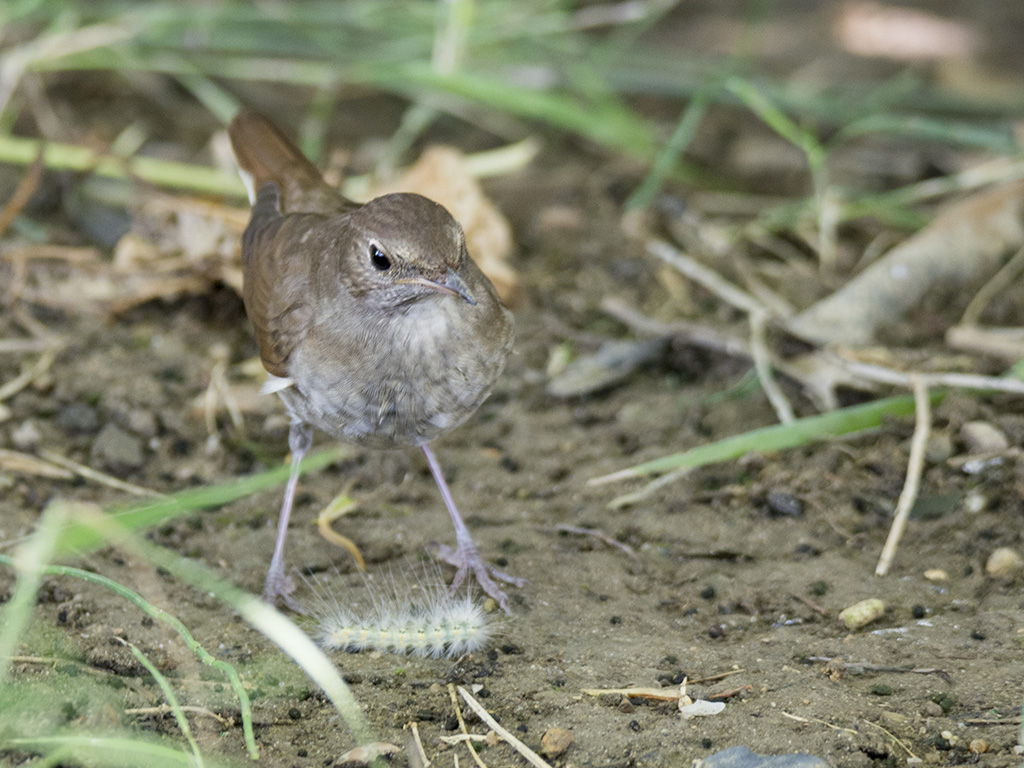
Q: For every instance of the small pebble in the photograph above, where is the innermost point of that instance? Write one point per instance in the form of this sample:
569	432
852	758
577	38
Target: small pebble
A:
78	419
556	741
784	504
1004	563
26	436
945	702
116	450
863	613
932	709
978	746
939	448
983	437
936	574
975	502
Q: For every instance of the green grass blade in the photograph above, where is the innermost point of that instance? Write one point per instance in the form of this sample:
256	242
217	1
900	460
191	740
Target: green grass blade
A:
172	702
666	160
78	537
31	559
105	750
245	706
777	437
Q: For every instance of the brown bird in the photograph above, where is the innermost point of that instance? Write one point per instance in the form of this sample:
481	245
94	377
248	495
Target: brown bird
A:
373	322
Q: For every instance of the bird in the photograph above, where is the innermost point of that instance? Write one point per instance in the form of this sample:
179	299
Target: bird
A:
373	323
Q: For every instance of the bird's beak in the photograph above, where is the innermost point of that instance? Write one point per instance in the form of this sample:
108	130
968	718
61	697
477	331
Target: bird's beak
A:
450	282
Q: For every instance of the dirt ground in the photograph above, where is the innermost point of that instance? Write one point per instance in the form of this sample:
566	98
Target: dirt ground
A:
738	574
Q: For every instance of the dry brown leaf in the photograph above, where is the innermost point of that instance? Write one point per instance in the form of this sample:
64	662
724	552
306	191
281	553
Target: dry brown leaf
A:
962	246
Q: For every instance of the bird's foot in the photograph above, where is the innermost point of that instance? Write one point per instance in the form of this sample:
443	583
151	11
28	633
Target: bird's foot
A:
467	560
277	590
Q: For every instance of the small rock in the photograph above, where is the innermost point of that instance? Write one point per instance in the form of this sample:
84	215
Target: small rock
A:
936	574
78	419
556	741
741	757
932	709
142	423
983	437
784	504
939	448
863	613
117	450
978	746
976	502
1004	564
26	436
945	702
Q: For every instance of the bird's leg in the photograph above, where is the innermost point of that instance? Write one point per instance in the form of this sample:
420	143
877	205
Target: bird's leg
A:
466	557
278	586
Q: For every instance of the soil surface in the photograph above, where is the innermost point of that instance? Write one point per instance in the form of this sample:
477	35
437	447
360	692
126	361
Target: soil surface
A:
734	575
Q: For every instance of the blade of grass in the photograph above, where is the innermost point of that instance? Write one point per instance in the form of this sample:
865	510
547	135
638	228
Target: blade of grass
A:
205	180
166	173
102	750
826	208
172	701
79	538
30	560
777	437
996	140
274	625
681	137
155	613
278	628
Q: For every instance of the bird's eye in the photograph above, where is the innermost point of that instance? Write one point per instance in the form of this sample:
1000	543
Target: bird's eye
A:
378	259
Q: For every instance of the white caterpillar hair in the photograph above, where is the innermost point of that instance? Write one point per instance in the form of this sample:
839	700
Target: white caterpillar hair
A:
418	618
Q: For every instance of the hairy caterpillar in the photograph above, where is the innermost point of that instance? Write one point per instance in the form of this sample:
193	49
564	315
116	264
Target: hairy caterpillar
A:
418	619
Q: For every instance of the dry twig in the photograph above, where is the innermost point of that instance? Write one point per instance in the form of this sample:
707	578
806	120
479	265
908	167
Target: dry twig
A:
96	476
462	722
601	536
531	757
417	755
763	366
29	375
165	709
915	466
27	187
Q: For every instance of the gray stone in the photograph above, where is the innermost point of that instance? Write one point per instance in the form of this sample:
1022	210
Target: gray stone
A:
116	450
78	419
741	757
